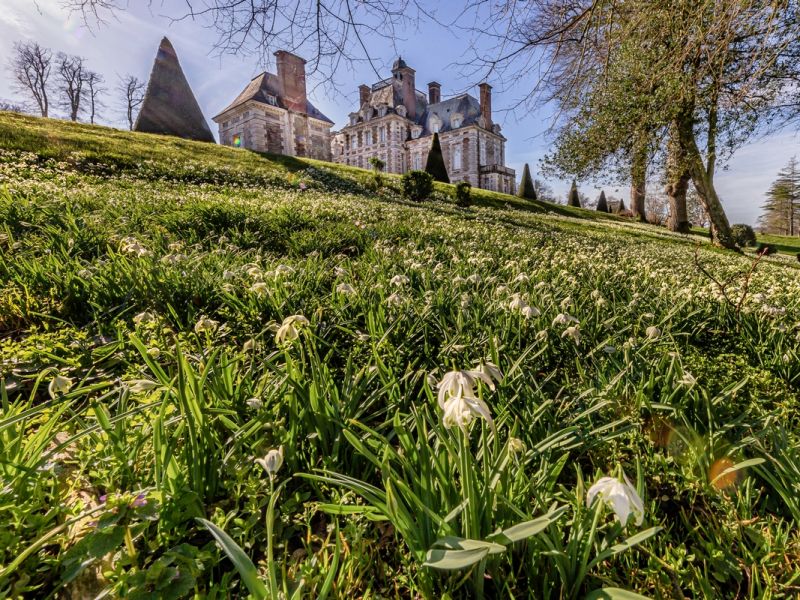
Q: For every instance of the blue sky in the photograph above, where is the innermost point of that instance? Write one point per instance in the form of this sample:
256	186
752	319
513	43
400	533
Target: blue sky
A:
127	44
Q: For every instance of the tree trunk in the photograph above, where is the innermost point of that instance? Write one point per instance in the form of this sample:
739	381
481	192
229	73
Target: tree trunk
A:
677	185
704	184
638	181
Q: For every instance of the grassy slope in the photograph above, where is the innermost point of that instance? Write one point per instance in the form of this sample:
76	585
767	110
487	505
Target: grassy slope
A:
208	217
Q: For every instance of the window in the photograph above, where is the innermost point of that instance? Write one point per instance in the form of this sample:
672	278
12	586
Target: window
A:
483	153
237	140
272	100
435	126
353	142
457	158
382	134
367	138
417	162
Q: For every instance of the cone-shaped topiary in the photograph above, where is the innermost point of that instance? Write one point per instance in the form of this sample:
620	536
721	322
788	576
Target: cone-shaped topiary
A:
526	189
621	207
602	205
573	199
435	165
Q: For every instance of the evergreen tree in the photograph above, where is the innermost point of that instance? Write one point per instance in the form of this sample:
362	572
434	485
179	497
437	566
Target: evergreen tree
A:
781	211
435	164
602	204
574	199
526	189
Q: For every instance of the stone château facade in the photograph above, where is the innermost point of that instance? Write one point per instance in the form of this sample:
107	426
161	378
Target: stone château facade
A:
396	122
273	114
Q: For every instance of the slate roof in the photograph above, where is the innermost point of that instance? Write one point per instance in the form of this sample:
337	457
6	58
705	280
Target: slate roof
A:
260	88
468	106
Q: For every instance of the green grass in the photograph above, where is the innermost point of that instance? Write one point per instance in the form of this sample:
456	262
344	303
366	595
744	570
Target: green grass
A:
149	283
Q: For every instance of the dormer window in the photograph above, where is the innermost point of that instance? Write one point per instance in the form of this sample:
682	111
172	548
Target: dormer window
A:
401	110
272	100
416	131
456	120
382	110
353	118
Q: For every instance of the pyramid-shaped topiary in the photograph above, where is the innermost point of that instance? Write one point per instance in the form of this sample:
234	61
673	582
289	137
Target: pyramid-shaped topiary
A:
435	165
526	189
602	204
573	199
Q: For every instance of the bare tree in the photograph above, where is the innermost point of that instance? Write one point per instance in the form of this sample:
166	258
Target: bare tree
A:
132	91
30	66
94	88
71	75
11	106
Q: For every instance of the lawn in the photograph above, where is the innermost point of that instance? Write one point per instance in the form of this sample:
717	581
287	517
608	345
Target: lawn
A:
224	373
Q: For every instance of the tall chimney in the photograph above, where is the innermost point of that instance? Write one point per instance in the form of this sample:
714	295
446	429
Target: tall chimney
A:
292	80
434	92
405	74
486	103
363	94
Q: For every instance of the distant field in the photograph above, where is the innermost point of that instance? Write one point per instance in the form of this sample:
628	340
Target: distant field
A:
224	373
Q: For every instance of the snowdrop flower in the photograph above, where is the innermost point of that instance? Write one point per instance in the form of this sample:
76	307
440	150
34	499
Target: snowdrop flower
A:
272	461
521	278
228	275
458	400
339	271
621	496
564	319
573	333
59	385
138	386
515	445
143	318
345	288
254	403
288	331
609	349
398	280
249	345
394	299
260	288
530	311
205	324
283	270
154	352
653	332
688	379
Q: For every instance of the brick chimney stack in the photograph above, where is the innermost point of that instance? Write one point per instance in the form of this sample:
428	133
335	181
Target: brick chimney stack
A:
434	92
486	103
292	80
405	76
363	94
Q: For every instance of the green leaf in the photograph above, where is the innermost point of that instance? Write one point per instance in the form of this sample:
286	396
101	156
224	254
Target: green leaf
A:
522	531
452	560
240	560
752	462
628	543
613	593
452	542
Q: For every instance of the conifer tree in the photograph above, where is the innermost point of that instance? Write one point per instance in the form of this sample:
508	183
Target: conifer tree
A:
602	204
574	199
435	164
781	211
526	188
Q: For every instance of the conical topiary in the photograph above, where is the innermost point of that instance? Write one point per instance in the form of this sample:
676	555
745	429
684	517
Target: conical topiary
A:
573	199
169	106
602	204
526	189
435	164
621	206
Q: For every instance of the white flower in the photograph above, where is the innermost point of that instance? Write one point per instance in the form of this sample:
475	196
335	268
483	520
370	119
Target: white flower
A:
288	331
515	445
574	333
283	270
254	403
154	352
609	349
345	288
653	332
398	280
260	288
458	400
530	311
249	345
394	299
564	319
521	278
205	324
138	386
272	461
143	318
59	385
621	496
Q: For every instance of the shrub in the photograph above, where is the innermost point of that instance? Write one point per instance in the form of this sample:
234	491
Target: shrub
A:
574	199
435	164
743	235
602	204
377	166
463	193
526	189
766	249
417	185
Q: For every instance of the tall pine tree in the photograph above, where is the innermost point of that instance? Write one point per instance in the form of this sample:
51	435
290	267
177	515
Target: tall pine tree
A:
435	164
574	199
781	211
526	188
